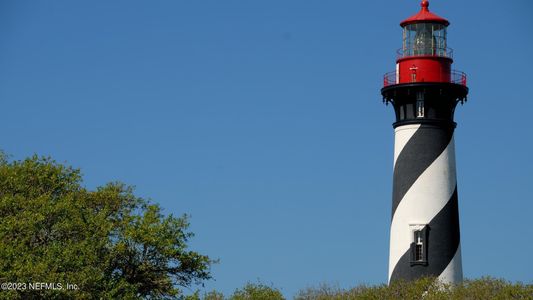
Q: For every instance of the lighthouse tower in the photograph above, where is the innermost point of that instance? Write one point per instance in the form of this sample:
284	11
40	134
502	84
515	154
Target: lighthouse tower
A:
424	91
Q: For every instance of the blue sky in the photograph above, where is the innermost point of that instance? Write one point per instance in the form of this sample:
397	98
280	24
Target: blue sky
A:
263	120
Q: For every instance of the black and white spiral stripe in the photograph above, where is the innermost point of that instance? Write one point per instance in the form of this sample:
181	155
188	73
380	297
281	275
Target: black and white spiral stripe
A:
425	192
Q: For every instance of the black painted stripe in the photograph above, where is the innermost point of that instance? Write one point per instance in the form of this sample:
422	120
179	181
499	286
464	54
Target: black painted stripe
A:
426	144
443	242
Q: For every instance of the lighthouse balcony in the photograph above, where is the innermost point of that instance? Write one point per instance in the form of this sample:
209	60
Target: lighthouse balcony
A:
416	50
456	77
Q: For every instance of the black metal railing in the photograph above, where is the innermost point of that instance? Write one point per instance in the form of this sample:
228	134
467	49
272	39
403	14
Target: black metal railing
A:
457	77
390	78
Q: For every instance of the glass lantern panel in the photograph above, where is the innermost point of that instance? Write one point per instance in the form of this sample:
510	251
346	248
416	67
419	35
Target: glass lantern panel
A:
424	39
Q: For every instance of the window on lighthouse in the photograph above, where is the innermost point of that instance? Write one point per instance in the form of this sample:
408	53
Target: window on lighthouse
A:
420	108
420	105
419	247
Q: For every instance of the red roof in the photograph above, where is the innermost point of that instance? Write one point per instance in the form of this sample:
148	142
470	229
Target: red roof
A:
424	16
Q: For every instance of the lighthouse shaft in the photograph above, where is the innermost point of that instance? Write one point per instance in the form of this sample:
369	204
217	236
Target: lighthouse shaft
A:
425	239
424	91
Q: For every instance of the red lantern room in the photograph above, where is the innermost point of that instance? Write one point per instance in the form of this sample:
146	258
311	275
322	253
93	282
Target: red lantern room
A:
424	56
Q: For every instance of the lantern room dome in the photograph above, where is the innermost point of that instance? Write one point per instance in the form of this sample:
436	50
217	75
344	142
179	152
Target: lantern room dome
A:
424	16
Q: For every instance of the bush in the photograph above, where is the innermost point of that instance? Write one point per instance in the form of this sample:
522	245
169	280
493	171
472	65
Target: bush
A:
426	288
251	291
257	291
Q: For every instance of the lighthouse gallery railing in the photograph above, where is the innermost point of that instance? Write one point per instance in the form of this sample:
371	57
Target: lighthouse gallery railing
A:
456	77
414	50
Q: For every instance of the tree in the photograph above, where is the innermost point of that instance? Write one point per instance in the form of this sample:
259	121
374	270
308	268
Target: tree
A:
61	240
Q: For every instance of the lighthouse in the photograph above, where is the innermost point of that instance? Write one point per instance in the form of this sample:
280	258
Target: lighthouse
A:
424	91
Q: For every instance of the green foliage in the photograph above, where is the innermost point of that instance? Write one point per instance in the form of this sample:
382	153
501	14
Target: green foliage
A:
490	288
214	295
425	288
486	288
109	243
257	291
251	291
